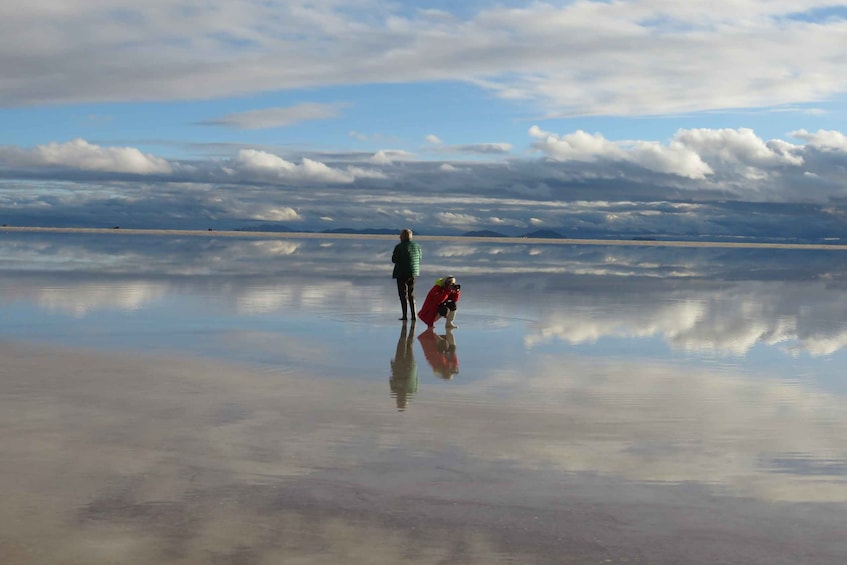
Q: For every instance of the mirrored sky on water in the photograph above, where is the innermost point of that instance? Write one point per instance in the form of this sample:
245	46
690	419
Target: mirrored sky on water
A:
611	368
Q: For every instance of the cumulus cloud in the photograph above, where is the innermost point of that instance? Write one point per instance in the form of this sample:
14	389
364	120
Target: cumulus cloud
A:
823	139
82	155
675	158
729	156
264	165
381	158
738	146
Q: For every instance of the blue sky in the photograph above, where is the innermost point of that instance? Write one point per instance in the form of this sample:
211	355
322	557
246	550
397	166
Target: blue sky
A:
582	117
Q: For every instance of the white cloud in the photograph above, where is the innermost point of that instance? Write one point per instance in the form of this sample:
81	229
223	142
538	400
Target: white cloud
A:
431	138
381	158
388	156
453	219
271	167
577	146
675	159
737	146
278	214
82	155
823	139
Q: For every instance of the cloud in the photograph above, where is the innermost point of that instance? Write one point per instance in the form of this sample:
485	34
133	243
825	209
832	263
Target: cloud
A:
476	148
675	158
454	219
278	117
738	147
278	214
381	158
699	183
826	140
565	58
82	155
262	165
433	139
388	156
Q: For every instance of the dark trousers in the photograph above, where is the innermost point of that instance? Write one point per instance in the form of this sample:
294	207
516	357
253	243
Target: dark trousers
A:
406	291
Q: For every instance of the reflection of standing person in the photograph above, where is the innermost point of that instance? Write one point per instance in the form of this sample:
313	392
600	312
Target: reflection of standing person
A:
440	352
404	370
441	302
407	265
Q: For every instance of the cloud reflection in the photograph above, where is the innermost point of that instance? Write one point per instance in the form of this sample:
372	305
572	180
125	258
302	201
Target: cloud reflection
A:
694	299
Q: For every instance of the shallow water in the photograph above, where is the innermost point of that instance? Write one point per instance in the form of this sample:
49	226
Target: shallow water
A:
255	400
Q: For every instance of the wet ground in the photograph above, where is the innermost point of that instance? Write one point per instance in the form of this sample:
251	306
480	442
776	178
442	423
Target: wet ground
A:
169	399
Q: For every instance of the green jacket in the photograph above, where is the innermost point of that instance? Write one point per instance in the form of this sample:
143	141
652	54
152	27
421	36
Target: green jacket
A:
406	259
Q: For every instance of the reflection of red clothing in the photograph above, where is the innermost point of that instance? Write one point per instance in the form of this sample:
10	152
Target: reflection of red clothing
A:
436	297
439	353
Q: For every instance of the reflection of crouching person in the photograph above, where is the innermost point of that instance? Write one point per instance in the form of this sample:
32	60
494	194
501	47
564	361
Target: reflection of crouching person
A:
441	302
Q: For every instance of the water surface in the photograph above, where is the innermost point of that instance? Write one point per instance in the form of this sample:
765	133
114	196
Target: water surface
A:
255	400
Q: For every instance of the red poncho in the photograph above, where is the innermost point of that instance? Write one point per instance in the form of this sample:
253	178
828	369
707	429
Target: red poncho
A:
436	297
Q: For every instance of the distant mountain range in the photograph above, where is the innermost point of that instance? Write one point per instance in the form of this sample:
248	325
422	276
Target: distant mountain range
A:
563	233
288	229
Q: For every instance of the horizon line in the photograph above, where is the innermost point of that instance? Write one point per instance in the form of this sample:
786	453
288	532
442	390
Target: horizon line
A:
475	239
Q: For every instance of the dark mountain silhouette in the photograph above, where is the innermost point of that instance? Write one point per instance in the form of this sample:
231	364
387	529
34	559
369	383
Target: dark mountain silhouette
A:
267	228
546	234
369	231
484	233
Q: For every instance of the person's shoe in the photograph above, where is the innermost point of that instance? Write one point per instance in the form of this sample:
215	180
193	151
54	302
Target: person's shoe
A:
404	319
450	325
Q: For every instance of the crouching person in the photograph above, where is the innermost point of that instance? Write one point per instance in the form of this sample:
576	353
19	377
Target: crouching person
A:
441	302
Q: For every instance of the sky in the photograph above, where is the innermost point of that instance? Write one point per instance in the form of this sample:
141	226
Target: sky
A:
719	119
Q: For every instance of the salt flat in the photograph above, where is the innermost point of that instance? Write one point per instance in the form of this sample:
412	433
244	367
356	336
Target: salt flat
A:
177	399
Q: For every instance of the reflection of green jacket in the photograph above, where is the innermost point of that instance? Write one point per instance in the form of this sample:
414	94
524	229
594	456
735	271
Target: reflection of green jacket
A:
404	371
404	376
407	259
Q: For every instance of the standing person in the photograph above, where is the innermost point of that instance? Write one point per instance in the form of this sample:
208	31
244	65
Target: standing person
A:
441	302
407	265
